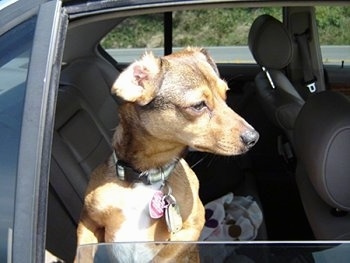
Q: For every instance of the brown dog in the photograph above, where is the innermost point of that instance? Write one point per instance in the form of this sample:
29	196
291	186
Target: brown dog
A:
146	191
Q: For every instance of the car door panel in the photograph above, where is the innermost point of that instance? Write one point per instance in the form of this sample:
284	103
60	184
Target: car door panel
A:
338	78
28	240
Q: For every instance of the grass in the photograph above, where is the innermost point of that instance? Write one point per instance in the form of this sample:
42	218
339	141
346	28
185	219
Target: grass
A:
218	27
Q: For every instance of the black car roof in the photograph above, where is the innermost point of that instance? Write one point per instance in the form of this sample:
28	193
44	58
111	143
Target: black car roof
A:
79	8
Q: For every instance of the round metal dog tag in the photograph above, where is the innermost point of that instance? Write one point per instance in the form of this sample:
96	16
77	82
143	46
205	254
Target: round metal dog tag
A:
173	218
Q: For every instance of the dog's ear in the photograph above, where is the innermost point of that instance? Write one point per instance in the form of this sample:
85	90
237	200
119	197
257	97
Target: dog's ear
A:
210	60
205	55
138	82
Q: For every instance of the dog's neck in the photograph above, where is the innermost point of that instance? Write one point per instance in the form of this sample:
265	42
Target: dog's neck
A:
139	149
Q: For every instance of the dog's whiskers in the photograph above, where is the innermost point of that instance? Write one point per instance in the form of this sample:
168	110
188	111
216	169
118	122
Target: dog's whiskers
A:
212	159
198	162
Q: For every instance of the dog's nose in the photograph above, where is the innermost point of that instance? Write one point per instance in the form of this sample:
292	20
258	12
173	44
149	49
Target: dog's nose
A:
249	138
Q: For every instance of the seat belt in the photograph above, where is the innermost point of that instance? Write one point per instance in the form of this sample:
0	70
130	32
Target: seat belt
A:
267	73
309	76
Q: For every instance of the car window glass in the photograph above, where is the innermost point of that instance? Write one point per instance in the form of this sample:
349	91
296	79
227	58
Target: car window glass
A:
223	31
14	59
333	25
133	36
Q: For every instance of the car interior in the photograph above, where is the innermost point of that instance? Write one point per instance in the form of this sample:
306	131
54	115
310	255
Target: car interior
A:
298	171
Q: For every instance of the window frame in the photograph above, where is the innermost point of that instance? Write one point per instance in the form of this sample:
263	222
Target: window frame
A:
26	240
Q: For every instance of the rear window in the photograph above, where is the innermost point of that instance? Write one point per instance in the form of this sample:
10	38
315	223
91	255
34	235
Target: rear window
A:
224	32
333	25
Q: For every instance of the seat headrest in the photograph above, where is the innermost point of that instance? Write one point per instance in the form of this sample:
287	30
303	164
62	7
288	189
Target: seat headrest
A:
270	43
322	144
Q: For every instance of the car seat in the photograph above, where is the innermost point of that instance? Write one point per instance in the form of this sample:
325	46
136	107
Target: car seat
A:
271	46
86	116
322	145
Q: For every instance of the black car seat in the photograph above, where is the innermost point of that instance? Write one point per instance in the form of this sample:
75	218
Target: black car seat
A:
86	115
322	145
272	47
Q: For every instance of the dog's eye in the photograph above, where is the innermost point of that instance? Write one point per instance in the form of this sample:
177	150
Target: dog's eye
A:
199	106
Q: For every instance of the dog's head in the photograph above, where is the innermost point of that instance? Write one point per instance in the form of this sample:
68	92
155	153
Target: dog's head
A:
181	99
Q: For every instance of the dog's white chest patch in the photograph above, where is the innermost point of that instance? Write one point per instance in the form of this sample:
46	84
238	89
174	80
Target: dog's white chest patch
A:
134	229
135	210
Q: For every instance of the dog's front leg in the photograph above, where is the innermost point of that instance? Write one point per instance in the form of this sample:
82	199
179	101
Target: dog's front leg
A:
178	252
182	250
87	233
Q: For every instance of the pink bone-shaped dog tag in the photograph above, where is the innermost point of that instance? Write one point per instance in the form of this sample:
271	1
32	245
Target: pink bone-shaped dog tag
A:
157	205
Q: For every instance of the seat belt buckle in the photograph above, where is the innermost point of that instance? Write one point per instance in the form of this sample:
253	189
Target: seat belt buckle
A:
311	85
